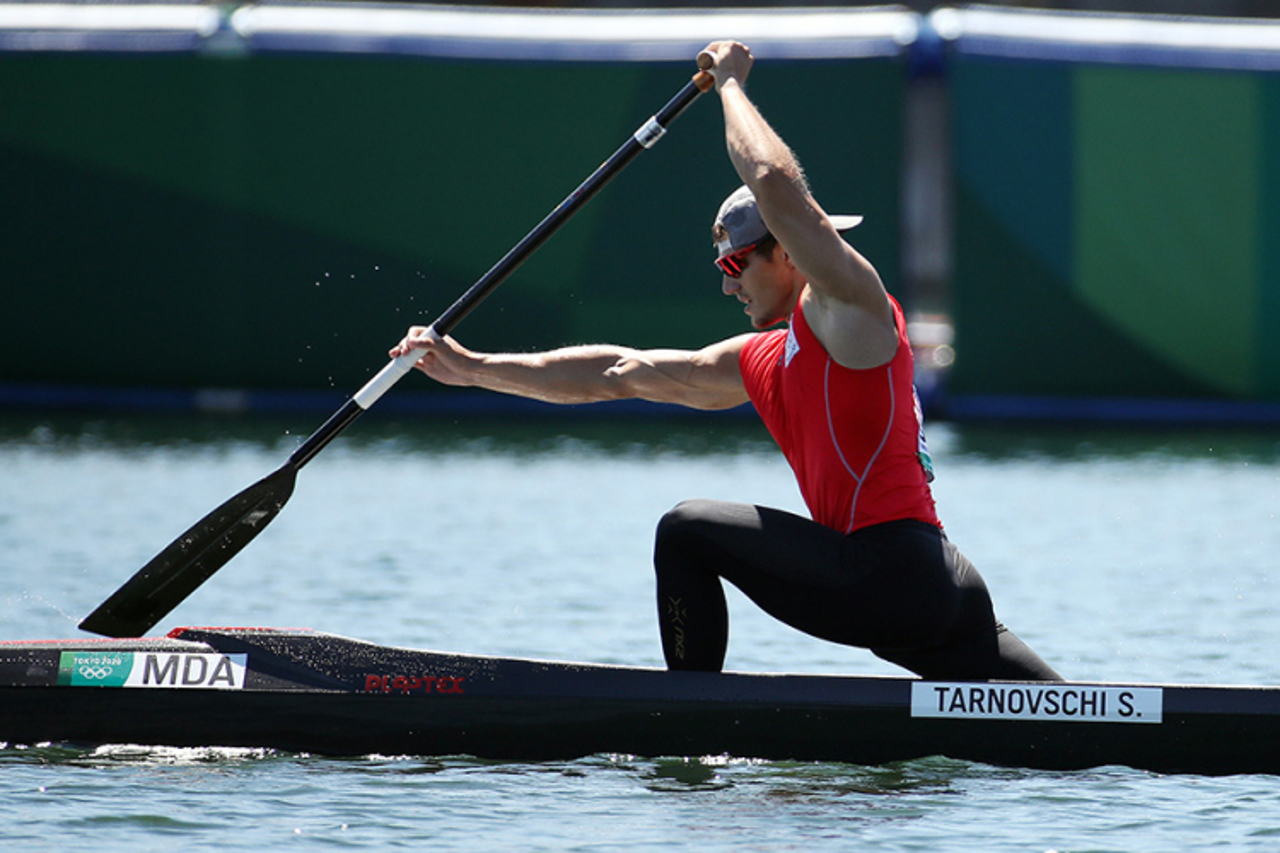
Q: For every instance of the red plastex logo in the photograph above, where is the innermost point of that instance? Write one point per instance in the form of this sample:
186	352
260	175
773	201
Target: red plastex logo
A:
411	684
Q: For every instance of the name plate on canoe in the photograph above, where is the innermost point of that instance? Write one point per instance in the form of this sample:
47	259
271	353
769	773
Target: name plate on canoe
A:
1077	703
152	669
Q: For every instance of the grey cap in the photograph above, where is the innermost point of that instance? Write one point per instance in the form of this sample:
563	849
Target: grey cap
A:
740	218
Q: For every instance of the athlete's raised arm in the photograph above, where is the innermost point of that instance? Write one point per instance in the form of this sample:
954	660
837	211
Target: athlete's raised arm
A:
845	303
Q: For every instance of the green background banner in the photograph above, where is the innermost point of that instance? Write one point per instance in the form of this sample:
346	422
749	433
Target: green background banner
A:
278	220
270	206
1115	230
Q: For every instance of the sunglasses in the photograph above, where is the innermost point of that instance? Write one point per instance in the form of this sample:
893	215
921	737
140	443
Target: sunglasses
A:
734	263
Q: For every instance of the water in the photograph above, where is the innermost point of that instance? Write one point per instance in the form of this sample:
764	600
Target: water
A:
1116	554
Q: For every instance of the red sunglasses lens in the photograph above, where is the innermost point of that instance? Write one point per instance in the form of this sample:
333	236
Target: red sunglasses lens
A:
730	266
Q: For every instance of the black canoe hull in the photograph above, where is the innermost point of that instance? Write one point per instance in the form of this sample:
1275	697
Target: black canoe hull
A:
318	693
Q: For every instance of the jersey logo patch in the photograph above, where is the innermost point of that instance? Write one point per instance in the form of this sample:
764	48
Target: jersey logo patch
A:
792	347
926	461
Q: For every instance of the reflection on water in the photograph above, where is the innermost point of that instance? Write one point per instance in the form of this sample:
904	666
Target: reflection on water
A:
1079	443
730	433
129	798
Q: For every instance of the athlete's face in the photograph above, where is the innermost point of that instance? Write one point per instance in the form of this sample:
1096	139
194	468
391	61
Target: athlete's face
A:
765	286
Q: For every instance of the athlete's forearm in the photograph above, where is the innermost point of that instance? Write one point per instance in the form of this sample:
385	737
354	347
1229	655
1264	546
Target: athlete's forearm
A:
579	374
762	159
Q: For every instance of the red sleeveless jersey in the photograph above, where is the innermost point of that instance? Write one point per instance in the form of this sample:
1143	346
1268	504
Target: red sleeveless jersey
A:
854	438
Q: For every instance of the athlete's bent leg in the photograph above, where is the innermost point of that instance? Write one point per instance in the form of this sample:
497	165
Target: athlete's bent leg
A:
979	647
900	589
775	557
693	619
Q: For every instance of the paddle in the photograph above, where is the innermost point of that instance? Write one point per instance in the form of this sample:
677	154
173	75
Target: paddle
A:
193	557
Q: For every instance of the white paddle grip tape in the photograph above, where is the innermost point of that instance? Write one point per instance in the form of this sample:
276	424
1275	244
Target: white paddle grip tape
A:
390	375
650	133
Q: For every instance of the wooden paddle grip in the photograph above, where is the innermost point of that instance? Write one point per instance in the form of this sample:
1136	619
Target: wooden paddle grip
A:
704	80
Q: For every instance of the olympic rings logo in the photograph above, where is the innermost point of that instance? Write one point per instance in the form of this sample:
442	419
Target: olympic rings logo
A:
97	673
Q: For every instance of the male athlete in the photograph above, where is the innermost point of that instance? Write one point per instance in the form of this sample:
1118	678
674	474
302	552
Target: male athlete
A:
835	388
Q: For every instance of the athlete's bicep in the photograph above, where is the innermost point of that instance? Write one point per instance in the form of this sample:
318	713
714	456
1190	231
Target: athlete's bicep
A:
708	378
719	373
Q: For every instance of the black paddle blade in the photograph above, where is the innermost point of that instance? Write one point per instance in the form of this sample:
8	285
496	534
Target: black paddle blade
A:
175	572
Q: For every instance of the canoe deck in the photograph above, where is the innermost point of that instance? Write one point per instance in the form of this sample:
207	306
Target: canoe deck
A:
313	692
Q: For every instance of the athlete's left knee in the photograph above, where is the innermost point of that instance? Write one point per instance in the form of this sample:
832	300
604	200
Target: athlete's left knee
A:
680	523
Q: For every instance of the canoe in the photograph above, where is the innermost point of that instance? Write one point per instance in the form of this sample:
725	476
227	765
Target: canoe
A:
319	693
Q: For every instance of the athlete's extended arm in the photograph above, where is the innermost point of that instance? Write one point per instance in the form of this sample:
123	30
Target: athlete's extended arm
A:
703	379
849	308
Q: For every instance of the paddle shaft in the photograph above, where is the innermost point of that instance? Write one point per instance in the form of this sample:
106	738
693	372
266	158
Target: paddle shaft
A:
176	572
645	137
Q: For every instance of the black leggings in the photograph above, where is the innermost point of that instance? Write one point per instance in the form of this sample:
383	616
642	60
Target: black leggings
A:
900	589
